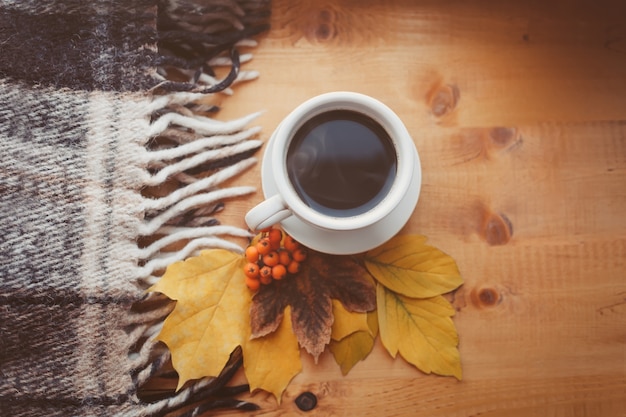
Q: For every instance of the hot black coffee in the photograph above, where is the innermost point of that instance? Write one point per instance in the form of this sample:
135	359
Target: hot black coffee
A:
341	163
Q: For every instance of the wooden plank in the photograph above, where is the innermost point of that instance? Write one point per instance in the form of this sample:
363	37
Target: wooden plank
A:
518	110
421	397
511	66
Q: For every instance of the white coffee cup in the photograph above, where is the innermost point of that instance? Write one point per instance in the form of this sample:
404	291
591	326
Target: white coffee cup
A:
324	231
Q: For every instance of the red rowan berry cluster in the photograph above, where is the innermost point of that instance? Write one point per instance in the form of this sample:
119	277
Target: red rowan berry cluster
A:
272	256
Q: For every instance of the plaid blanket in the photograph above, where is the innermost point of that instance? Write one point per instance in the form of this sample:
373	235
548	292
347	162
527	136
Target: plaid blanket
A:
102	105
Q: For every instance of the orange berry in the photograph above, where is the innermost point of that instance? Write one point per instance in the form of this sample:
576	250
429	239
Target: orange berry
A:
275	245
290	243
253	283
294	267
275	235
271	259
279	271
265	275
299	254
265	271
264	246
251	270
284	257
252	254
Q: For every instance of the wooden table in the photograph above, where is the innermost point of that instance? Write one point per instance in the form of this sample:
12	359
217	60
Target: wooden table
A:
518	111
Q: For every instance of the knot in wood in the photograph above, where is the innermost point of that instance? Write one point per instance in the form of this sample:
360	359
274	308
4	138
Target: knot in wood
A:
503	136
443	100
306	401
323	32
325	26
488	297
497	229
485	297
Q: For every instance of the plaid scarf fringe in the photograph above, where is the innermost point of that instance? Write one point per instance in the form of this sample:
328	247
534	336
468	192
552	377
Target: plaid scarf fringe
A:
200	154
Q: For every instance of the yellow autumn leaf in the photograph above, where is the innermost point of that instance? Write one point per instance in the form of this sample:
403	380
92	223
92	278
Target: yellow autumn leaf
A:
421	330
406	265
270	362
372	323
356	346
346	322
211	316
351	349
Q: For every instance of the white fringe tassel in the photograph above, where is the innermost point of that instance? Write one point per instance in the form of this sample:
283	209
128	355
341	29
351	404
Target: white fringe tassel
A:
186	143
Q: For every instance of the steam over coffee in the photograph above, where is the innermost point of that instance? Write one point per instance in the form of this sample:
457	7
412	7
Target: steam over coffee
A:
341	163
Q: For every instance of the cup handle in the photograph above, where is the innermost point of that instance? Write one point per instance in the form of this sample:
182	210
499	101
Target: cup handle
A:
267	213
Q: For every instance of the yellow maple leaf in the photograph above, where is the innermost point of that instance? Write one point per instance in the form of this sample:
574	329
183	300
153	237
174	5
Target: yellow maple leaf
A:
372	323
357	345
351	349
211	316
346	322
421	330
406	265
270	362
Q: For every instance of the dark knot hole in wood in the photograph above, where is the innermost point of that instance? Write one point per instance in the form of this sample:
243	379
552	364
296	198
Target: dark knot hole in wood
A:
485	297
306	401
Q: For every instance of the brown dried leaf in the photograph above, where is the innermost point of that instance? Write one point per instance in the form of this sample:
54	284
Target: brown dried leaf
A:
323	277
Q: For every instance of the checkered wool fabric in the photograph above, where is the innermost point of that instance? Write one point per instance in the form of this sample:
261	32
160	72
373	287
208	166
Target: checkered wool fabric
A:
87	124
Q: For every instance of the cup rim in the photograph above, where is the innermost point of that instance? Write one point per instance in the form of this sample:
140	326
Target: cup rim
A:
344	100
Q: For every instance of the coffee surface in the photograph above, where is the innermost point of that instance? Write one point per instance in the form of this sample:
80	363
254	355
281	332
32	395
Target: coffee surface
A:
341	163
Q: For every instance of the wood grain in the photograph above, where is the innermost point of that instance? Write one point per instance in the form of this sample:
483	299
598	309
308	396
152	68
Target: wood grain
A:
518	111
